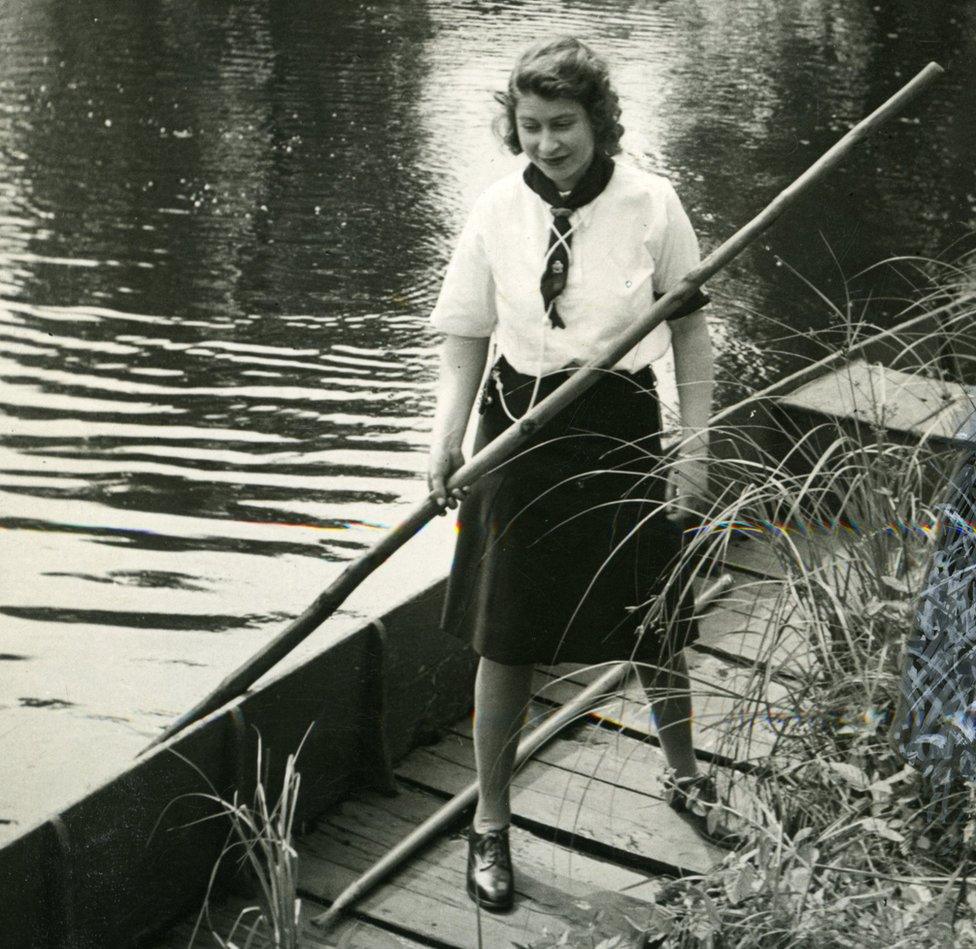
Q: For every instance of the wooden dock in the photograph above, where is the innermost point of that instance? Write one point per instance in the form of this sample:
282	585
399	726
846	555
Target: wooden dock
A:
592	839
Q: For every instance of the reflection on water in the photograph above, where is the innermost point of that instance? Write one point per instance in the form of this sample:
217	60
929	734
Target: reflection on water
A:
222	227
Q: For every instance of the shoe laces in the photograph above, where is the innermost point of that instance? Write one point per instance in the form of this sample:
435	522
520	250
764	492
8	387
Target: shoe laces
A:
491	847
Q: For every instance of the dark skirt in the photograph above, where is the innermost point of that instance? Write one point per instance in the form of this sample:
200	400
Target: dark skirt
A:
558	556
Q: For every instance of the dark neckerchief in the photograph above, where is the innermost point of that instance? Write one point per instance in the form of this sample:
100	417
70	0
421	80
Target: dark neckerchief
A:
594	180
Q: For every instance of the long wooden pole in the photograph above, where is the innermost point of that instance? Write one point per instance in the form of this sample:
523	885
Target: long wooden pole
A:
504	446
442	817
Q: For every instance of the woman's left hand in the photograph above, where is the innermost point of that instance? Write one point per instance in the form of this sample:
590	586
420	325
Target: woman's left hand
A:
688	483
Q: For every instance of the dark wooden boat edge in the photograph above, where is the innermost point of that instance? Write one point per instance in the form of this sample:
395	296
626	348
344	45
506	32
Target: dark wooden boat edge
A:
127	859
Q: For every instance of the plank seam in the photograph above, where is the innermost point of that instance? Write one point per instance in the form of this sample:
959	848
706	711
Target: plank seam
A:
596	721
379	923
587	846
742	662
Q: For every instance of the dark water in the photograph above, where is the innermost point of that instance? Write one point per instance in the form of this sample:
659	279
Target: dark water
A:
222	227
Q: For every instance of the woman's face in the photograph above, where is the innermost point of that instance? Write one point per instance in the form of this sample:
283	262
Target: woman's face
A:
556	135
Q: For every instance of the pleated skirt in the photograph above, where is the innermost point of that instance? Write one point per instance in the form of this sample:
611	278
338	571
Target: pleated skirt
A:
560	555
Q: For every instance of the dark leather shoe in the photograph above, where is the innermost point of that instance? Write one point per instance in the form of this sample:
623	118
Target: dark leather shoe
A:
490	879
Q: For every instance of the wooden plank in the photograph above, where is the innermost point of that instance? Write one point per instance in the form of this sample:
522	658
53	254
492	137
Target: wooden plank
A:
755	622
869	391
562	860
918	411
350	933
728	703
629	762
620	760
428	894
549	792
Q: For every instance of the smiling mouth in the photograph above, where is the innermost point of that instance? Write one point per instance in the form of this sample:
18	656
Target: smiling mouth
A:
555	161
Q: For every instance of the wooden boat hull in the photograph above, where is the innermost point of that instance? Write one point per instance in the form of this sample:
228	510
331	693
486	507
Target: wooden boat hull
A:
124	861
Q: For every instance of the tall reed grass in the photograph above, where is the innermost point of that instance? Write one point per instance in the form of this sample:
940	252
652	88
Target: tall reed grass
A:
260	836
843	845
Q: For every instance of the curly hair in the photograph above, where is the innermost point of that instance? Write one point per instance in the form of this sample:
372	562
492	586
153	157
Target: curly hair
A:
563	68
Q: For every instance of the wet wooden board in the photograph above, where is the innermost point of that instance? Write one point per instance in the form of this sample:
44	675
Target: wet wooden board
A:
348	933
619	760
721	718
428	896
562	788
755	622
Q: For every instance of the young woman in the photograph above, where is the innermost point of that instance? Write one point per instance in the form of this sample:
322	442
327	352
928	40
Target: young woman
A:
558	558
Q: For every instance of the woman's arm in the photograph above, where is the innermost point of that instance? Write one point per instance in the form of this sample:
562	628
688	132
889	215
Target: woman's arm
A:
461	368
694	373
694	376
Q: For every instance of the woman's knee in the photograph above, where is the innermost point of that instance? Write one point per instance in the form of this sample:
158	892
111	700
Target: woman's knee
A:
507	671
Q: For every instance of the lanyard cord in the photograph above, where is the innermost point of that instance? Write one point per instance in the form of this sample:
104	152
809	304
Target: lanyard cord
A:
560	239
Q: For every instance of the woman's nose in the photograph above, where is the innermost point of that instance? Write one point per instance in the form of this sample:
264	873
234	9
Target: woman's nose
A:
548	143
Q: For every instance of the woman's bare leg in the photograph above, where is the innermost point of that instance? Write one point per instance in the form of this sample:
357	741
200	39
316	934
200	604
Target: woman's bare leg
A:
670	698
501	697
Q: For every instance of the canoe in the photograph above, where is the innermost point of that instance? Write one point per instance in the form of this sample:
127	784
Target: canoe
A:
124	862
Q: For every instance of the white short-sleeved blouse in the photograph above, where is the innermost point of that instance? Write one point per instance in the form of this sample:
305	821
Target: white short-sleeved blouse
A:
634	240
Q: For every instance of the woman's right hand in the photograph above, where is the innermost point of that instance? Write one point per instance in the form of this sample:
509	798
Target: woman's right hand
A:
443	462
462	363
